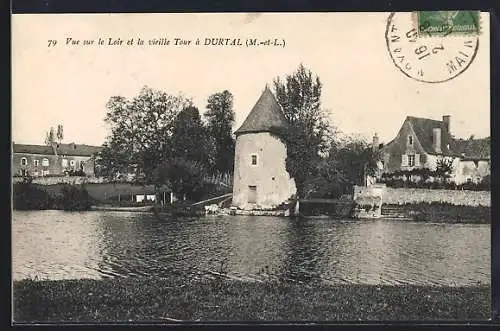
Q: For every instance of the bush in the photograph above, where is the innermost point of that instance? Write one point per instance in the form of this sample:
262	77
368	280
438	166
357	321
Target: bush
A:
74	198
27	196
397	180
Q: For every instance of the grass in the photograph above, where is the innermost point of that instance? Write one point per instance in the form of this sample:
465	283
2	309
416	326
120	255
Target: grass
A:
176	299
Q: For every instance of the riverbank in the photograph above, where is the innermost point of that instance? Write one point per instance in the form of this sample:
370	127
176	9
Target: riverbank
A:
176	299
438	212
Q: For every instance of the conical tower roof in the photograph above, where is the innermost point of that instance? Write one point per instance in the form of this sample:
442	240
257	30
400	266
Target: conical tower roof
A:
264	115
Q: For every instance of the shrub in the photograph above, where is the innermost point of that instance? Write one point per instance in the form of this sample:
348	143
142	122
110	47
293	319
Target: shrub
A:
74	198
27	196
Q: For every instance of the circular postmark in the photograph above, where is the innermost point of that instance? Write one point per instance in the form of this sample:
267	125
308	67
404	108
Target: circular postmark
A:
432	48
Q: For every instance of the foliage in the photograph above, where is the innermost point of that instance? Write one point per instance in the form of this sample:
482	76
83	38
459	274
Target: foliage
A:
49	137
309	132
444	167
141	131
53	136
190	137
60	133
76	173
27	196
74	198
183	176
220	120
351	160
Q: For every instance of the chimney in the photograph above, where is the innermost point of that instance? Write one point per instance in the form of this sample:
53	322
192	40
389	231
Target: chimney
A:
375	145
436	139
446	121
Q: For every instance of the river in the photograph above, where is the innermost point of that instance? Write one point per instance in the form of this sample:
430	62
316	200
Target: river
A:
74	245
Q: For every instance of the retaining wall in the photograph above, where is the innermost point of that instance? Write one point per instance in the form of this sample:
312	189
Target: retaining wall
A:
456	197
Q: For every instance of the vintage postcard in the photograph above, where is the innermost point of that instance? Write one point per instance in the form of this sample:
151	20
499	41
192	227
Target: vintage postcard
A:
173	168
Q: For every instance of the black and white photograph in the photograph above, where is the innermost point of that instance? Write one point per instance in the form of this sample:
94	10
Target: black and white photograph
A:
272	167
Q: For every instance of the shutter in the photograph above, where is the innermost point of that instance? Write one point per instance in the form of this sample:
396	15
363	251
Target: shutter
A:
404	160
417	160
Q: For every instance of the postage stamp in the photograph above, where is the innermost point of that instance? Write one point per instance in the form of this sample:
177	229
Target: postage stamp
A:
444	23
446	51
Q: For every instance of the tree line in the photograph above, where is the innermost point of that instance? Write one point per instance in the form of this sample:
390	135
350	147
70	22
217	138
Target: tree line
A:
161	138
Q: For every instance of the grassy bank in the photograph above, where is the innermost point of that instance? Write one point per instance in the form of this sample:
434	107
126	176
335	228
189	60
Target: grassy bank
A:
441	212
176	299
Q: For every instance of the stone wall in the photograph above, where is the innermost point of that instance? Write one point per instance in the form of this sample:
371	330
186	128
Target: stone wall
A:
368	201
60	180
456	197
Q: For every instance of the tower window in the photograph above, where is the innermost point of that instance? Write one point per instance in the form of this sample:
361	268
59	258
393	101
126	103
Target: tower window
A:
24	161
410	140
36	163
254	159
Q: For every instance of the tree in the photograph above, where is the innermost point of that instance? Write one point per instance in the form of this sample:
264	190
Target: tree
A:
309	132
350	161
184	177
444	167
60	133
141	132
190	137
49	137
220	120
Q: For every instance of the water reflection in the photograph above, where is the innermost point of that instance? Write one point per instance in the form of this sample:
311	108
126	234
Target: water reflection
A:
57	245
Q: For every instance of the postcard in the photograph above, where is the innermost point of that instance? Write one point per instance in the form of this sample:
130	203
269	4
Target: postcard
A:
291	167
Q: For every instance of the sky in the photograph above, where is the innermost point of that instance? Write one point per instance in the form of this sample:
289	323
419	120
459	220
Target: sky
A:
363	91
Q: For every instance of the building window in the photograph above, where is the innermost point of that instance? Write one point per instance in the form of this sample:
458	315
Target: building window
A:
24	172
72	163
24	161
410	140
36	163
254	159
411	160
45	162
64	163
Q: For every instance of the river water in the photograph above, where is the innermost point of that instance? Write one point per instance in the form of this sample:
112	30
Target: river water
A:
74	245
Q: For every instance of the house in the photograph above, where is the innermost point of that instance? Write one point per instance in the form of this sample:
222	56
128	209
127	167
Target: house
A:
423	142
57	159
260	177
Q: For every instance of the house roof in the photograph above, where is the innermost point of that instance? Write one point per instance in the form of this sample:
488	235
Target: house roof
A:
473	149
264	115
61	149
466	148
423	128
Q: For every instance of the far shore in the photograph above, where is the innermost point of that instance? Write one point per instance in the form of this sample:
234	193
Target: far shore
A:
179	299
422	212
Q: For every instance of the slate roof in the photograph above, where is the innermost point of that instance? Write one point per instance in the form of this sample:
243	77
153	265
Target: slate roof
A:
468	149
423	128
473	149
266	113
60	149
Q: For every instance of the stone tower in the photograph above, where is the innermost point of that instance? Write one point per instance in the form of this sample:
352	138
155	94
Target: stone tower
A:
260	177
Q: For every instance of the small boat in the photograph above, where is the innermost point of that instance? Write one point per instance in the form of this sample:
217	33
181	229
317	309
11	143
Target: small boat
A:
126	209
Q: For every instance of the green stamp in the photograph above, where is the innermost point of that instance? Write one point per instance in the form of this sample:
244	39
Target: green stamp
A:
443	23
